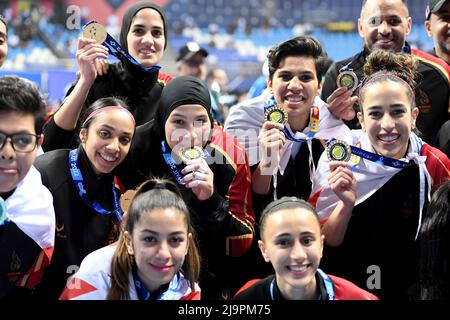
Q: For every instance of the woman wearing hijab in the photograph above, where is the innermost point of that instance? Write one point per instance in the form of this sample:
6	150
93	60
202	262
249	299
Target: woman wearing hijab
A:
144	37
215	186
81	181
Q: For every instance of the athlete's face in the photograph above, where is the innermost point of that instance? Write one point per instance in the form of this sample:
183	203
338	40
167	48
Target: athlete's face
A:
388	119
146	37
384	24
107	140
293	243
159	244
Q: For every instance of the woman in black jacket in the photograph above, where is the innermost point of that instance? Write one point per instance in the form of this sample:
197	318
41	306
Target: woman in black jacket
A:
144	36
216	187
81	182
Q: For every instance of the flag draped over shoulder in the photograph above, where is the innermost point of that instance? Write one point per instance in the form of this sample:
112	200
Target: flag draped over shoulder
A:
31	208
93	281
370	175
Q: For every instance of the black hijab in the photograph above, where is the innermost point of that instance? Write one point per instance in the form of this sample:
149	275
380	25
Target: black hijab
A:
180	91
128	18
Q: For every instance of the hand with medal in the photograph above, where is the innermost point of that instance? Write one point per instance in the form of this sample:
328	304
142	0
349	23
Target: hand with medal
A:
341	102
88	52
271	141
199	178
343	182
102	67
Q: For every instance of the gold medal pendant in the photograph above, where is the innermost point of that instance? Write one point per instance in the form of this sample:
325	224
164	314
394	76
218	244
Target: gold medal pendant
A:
187	154
276	114
339	150
95	31
347	79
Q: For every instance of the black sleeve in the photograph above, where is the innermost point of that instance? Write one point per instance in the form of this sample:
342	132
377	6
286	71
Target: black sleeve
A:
57	138
329	83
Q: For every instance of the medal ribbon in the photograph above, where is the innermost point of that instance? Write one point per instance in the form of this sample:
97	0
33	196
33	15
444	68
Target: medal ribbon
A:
172	293
176	172
116	50
79	184
377	158
326	279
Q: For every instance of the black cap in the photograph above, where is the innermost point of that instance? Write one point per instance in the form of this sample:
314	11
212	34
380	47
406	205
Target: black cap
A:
190	49
433	7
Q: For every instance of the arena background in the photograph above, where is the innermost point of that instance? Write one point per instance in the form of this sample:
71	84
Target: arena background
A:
43	34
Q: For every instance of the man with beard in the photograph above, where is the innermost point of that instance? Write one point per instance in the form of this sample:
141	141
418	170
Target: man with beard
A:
384	24
437	24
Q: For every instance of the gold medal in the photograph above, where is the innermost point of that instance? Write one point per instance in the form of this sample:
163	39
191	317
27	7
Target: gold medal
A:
347	79
339	150
187	154
275	114
95	31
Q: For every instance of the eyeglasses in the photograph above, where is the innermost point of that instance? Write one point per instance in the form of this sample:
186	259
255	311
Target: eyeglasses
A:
21	142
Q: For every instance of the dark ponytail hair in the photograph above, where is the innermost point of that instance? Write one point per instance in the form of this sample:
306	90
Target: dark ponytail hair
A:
152	194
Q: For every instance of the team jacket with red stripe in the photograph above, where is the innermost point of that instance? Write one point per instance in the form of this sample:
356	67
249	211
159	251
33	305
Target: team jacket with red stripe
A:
27	237
258	289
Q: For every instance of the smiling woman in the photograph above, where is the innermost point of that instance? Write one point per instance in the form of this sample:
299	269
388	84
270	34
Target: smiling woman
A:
156	257
384	193
214	180
86	201
292	241
144	36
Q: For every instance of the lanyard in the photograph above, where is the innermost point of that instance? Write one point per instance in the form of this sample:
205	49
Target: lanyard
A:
116	50
174	168
377	158
172	293
326	279
142	291
79	184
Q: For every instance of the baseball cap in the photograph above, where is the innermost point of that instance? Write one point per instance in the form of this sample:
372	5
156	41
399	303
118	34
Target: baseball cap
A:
433	6
190	49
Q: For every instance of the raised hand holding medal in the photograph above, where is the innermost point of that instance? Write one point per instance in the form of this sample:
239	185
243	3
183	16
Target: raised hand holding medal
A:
347	79
273	113
197	175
